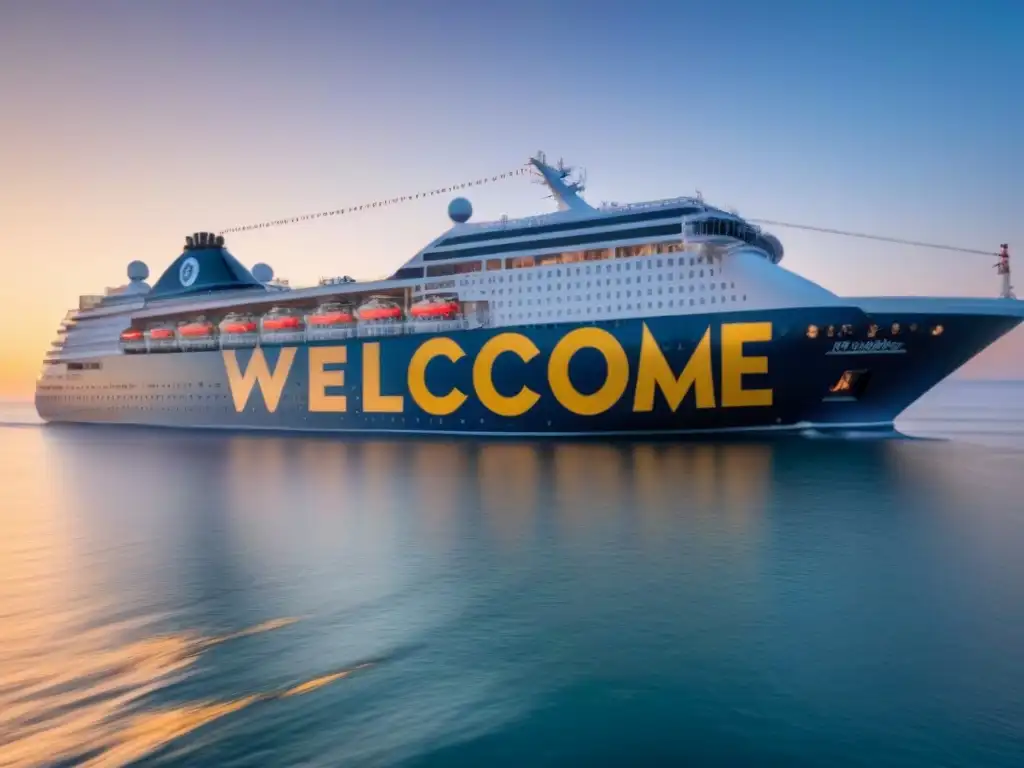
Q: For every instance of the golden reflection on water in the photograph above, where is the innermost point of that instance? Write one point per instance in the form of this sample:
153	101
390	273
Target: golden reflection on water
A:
36	561
80	703
508	477
438	472
70	691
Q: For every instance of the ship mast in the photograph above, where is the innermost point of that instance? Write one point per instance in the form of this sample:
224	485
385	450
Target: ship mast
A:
564	190
1003	270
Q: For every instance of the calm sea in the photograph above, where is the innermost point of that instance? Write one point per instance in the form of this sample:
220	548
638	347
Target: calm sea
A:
201	599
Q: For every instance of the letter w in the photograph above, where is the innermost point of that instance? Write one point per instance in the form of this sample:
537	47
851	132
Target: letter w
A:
271	384
655	371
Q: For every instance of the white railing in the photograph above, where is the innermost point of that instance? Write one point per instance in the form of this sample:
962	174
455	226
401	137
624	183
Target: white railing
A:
667	202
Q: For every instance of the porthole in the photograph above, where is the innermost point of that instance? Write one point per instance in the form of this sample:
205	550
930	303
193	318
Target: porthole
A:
937	330
812	331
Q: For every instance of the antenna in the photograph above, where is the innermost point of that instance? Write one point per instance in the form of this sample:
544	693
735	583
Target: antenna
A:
580	183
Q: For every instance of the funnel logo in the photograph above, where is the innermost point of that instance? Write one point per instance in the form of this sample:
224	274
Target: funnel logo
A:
188	272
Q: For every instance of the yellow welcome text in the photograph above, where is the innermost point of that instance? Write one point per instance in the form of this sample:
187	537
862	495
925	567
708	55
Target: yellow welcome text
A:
271	383
435	405
483	383
735	365
616	379
373	400
655	372
320	378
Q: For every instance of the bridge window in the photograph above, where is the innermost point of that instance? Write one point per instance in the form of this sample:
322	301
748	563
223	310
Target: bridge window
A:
407	273
440	270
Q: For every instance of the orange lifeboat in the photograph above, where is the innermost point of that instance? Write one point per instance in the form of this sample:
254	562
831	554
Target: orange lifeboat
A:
162	338
281	320
327	315
199	329
133	340
379	308
239	330
238	324
435	308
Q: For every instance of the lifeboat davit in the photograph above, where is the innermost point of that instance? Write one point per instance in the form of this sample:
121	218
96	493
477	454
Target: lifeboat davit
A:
379	309
435	308
327	315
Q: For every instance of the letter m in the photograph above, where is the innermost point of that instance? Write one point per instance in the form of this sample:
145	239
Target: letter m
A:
655	373
271	383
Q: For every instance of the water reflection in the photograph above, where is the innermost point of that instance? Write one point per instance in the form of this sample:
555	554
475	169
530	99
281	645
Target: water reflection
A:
486	579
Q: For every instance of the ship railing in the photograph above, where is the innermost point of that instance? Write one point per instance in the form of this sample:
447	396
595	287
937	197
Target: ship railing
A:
438	326
238	340
161	345
651	204
331	334
282	337
198	345
380	328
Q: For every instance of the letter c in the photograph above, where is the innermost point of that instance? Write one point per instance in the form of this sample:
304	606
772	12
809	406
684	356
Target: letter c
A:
435	405
483	382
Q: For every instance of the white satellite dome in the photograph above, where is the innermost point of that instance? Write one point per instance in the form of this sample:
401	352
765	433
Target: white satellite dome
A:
263	272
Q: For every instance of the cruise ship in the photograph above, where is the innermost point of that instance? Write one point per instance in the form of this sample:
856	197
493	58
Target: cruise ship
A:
669	317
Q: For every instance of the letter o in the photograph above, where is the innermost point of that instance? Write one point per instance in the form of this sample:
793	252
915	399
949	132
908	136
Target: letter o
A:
614	385
435	405
483	382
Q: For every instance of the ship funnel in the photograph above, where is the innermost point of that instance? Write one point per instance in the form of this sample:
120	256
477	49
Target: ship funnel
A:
199	240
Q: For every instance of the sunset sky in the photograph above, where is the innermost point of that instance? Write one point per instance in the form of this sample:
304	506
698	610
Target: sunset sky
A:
126	125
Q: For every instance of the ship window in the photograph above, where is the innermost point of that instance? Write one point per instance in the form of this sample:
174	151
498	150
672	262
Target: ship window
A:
407	273
937	330
440	270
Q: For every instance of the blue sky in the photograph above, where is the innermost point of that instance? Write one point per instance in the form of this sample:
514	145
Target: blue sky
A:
128	124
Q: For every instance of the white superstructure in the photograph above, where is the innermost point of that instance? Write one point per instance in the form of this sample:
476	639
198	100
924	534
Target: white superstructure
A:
677	256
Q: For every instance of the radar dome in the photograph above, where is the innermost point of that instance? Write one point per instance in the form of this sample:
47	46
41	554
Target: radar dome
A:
459	210
776	246
138	270
263	272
